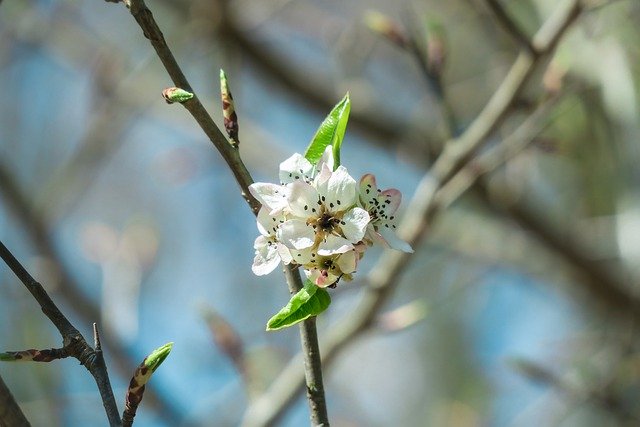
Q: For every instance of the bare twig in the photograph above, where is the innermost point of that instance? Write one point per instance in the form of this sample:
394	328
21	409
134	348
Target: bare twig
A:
384	278
231	155
509	25
68	286
74	342
10	412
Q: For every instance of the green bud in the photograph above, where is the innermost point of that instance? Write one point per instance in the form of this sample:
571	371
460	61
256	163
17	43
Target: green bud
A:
155	359
385	26
175	94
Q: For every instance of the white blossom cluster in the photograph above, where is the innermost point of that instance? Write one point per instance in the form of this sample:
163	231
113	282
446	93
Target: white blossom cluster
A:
322	219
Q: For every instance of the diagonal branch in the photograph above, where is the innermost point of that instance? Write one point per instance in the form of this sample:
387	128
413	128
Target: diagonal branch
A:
509	25
10	412
74	342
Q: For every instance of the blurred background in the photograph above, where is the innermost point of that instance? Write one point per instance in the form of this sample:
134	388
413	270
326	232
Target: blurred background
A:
518	309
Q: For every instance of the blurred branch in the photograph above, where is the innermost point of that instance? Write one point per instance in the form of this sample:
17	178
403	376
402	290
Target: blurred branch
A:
10	412
74	343
540	374
509	25
230	153
37	228
384	277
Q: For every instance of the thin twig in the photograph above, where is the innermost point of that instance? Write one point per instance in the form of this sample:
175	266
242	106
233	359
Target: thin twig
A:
385	276
73	340
231	155
68	287
509	25
10	412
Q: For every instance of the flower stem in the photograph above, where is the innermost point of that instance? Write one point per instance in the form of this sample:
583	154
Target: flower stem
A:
311	356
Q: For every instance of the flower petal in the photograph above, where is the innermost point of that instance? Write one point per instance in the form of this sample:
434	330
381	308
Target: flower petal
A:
368	189
341	190
327	158
296	234
394	241
272	196
354	223
295	168
267	257
268	224
347	262
334	245
390	201
303	200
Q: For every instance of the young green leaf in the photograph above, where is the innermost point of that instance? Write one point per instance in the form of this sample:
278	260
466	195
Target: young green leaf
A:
330	132
309	301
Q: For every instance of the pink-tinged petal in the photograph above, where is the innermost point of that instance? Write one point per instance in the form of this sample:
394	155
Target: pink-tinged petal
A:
341	191
334	245
347	262
394	241
391	200
368	188
268	224
303	200
296	234
267	257
295	168
272	196
354	223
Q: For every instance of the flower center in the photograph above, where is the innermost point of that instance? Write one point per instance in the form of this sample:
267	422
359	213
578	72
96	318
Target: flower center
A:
327	222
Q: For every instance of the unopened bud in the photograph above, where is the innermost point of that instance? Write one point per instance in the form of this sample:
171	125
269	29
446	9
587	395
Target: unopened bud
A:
175	94
228	110
436	48
385	26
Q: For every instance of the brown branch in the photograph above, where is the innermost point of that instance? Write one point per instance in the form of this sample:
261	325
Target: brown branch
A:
509	25
384	277
231	155
10	412
74	342
68	287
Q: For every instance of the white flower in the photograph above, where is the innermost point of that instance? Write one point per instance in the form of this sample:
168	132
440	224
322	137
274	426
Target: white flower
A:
324	215
327	270
381	206
269	251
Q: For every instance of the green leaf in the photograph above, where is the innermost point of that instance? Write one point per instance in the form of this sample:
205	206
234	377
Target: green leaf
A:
330	132
309	301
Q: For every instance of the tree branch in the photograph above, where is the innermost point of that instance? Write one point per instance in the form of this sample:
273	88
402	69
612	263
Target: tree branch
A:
10	412
74	342
509	25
